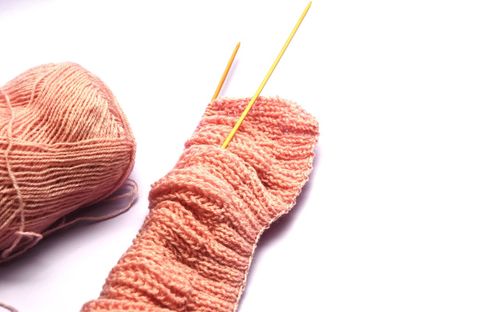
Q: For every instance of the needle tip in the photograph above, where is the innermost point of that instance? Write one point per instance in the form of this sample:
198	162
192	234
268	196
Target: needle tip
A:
266	78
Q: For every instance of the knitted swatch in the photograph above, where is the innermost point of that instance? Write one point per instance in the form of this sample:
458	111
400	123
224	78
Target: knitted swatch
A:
194	249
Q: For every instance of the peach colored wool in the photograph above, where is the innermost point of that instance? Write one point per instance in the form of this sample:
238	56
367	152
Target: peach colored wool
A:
195	247
64	144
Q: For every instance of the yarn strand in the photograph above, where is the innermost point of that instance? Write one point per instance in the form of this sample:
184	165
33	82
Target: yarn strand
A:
130	196
8	307
20	210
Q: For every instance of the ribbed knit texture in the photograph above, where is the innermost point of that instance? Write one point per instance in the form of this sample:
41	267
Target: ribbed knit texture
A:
195	247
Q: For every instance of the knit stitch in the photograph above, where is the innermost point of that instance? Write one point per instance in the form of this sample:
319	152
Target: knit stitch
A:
195	247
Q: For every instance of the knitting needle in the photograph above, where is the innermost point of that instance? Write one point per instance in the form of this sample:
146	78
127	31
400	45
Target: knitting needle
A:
266	78
226	71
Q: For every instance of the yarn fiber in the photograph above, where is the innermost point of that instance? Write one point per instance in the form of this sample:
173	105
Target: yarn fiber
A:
195	247
64	144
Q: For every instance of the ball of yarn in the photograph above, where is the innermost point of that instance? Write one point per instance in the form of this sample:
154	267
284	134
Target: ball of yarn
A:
65	144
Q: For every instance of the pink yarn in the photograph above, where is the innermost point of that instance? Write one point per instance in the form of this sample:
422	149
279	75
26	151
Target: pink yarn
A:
207	214
64	144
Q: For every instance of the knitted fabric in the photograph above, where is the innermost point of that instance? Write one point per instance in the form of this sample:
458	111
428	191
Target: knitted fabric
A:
194	249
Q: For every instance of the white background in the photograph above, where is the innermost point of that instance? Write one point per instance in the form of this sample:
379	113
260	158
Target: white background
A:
402	212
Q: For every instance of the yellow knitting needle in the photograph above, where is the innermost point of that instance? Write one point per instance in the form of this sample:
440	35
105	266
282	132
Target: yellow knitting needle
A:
226	71
266	78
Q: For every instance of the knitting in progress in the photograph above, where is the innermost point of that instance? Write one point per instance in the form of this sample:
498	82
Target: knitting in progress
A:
195	247
65	144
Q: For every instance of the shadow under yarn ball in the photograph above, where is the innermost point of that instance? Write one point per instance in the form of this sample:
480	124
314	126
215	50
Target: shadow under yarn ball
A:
64	144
